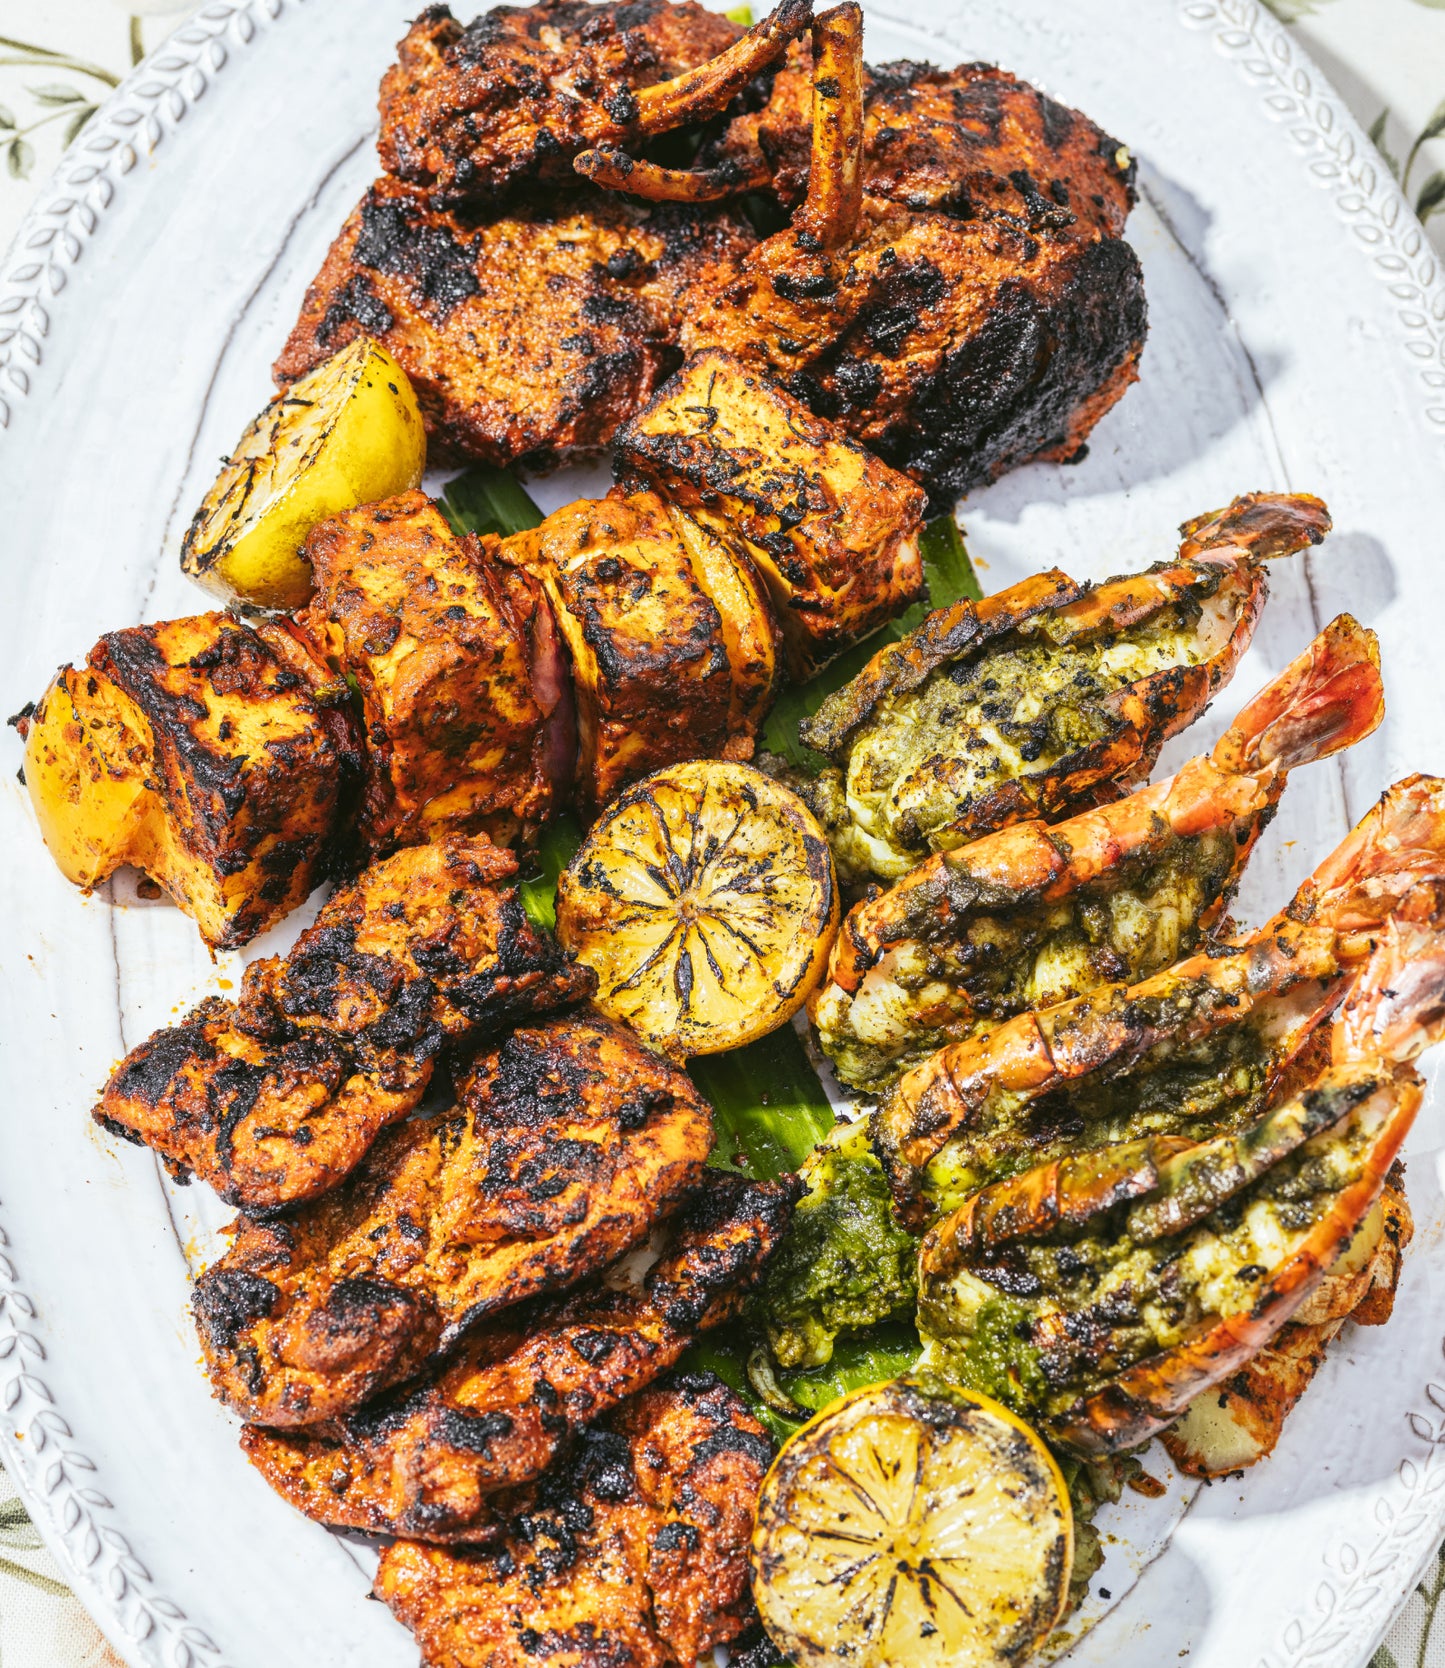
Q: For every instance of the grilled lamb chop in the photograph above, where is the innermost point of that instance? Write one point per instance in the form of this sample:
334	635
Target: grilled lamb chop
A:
276	1097
953	289
428	1460
527	336
470	112
570	1142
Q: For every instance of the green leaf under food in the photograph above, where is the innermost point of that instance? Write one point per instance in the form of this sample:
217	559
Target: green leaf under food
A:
488	500
770	1108
556	848
872	1357
741	15
949	576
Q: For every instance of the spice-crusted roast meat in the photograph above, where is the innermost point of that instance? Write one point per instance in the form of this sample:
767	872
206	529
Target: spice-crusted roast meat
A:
570	1142
471	112
527	336
632	1550
969	141
978	308
424	1461
276	1097
463	682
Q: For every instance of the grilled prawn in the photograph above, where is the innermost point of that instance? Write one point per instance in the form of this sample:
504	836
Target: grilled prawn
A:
1195	1051
1104	1291
1032	915
1041	698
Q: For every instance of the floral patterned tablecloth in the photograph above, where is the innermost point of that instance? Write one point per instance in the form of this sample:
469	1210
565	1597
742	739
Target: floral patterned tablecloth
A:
58	61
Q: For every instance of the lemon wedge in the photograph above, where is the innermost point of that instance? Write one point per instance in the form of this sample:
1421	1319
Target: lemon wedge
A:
704	900
901	1529
348	433
87	756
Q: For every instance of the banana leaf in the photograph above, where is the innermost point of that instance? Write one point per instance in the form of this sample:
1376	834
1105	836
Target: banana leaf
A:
488	500
770	1109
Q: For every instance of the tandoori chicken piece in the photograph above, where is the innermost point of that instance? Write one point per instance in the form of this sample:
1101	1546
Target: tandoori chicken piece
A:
1033	914
470	112
569	1143
833	531
276	1097
1238	1422
426	1460
1197	1050
527	336
1104	1292
463	685
631	1551
1026	705
205	753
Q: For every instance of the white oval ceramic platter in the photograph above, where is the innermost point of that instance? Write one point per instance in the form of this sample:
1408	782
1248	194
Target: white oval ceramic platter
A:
1297	341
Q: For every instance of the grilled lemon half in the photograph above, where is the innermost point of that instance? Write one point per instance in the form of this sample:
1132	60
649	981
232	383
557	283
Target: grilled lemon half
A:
348	433
898	1528
704	900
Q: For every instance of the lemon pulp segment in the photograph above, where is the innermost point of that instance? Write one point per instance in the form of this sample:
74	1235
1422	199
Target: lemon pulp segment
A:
901	1529
705	902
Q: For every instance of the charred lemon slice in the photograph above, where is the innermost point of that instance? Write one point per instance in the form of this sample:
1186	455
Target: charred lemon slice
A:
704	900
896	1528
347	434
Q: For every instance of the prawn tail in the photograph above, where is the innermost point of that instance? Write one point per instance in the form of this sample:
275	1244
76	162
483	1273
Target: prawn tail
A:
1259	525
1392	863
1325	700
1396	1007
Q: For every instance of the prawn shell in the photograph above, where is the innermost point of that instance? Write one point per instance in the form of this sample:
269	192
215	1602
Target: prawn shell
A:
946	634
1140	1401
1036	1052
1266	524
1064	1193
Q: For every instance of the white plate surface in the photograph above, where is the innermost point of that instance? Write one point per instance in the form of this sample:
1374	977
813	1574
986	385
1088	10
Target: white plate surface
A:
1297	341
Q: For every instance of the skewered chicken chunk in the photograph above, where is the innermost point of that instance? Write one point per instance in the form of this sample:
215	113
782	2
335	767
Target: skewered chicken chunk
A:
458	669
206	754
528	336
632	1550
1032	914
833	532
649	655
427	1460
569	1143
276	1097
1033	701
469	112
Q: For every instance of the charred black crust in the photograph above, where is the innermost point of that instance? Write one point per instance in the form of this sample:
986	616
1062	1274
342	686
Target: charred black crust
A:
227	1301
